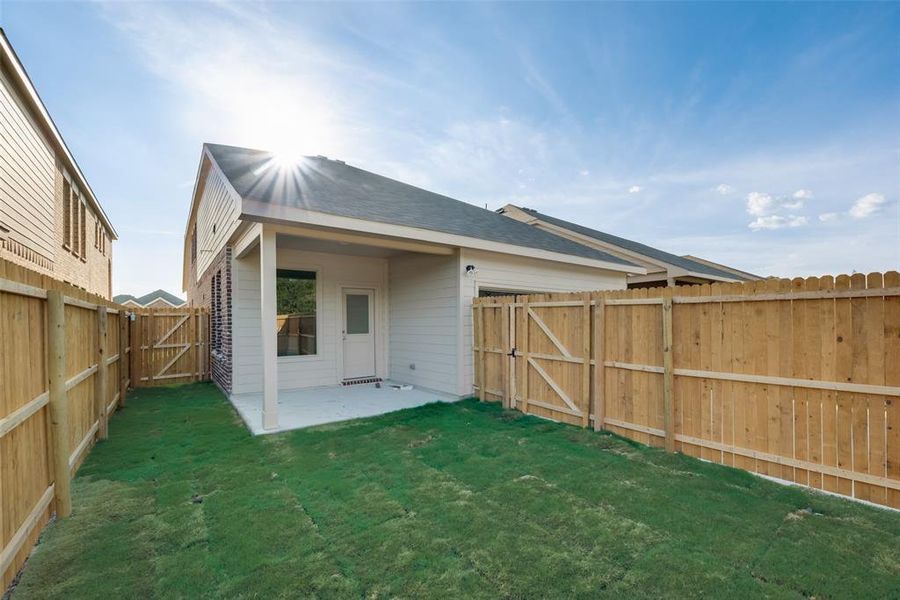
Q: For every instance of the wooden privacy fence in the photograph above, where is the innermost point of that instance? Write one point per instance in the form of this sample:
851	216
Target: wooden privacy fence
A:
173	346
795	379
66	360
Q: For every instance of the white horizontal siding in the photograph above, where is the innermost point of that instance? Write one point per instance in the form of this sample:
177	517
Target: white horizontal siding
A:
425	321
217	218
27	174
333	273
513	273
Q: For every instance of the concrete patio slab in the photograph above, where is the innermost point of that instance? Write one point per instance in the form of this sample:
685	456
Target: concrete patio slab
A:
320	405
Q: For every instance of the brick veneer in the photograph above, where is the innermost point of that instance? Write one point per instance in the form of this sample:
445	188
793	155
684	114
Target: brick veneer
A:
200	293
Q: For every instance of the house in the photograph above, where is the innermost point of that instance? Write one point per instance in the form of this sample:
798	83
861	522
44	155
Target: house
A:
50	220
318	273
156	299
662	268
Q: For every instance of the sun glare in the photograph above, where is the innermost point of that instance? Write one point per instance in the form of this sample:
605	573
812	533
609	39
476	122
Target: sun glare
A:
287	159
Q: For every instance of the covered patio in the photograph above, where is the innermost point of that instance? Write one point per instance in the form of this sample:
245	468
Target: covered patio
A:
328	404
320	314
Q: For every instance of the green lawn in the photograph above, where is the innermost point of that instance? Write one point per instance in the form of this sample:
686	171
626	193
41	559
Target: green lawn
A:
441	501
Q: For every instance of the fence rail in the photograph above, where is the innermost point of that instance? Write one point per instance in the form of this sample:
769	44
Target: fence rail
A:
67	359
796	379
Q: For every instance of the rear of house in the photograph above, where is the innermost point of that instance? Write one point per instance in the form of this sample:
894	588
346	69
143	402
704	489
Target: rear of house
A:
320	274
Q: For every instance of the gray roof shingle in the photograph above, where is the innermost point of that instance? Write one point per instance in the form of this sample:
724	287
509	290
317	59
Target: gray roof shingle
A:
336	188
639	248
148	298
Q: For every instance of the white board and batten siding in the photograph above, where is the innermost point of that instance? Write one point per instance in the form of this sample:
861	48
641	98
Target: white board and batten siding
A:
27	174
217	218
424	296
503	272
334	272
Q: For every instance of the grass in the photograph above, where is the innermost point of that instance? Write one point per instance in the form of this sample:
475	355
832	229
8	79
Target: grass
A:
442	501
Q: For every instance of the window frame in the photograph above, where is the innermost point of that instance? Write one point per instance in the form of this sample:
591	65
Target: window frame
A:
67	214
83	218
319	355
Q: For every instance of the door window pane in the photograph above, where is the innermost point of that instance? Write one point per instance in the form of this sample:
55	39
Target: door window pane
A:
357	313
296	307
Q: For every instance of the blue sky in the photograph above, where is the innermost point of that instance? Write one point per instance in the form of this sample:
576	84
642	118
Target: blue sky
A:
765	136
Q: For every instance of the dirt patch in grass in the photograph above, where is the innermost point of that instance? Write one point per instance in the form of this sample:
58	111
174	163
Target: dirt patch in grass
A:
443	501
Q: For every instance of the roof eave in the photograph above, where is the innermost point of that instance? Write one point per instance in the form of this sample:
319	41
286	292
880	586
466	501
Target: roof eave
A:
253	210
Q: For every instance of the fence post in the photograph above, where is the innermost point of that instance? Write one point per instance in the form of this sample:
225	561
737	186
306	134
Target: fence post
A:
479	323
668	375
134	339
151	336
101	390
504	328
586	353
59	404
599	367
123	355
526	355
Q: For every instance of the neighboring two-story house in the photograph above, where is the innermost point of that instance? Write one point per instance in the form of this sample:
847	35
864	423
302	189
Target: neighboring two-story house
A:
50	220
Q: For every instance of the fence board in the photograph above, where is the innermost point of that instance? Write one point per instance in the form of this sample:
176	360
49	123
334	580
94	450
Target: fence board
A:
30	485
797	379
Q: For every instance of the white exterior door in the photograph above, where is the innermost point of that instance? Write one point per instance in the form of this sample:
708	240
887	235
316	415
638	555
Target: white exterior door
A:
358	331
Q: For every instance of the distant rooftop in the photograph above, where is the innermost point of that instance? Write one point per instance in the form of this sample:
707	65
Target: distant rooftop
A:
149	298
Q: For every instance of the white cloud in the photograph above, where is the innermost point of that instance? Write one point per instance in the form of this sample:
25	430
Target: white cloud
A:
635	189
777	222
724	189
828	217
760	203
584	172
803	194
867	205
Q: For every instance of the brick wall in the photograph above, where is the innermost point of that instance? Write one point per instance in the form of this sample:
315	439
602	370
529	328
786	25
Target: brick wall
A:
216	280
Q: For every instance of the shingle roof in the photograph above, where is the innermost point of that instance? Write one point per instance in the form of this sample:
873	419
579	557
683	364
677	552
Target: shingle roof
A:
336	188
637	247
148	298
170	298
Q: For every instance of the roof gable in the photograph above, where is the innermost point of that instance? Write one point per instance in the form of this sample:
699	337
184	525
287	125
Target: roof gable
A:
335	188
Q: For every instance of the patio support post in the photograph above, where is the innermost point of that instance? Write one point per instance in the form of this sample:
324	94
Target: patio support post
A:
269	327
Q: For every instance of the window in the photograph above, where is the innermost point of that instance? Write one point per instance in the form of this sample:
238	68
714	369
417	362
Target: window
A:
83	245
67	215
194	244
357	313
76	249
296	307
215	295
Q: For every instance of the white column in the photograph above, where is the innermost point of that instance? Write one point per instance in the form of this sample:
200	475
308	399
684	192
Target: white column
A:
269	328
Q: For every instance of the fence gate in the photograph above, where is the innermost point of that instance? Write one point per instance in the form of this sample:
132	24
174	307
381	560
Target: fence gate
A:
534	354
172	346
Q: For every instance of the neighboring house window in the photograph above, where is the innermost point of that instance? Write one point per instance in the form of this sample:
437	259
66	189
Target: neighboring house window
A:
194	244
296	308
83	233
97	235
215	313
67	215
76	249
